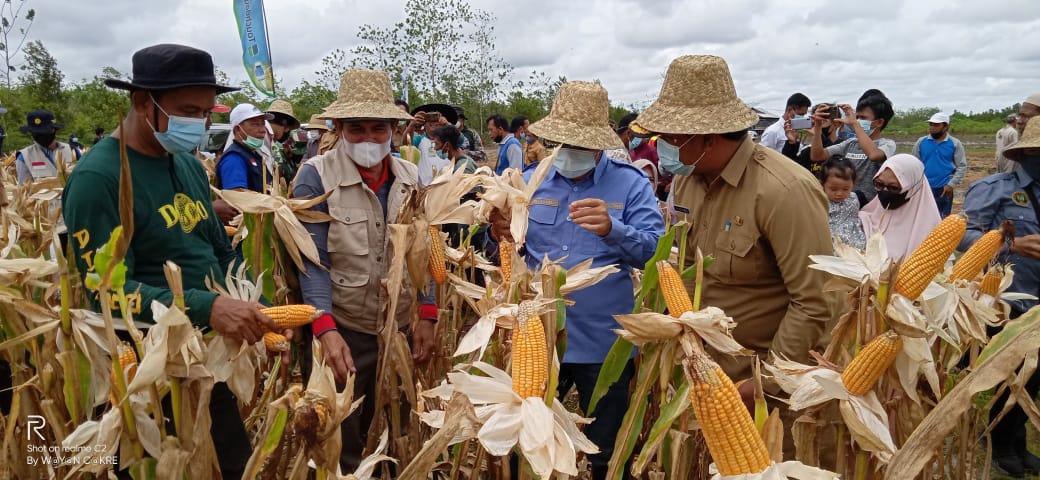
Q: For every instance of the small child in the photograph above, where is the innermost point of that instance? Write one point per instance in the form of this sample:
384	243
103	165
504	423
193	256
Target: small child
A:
838	178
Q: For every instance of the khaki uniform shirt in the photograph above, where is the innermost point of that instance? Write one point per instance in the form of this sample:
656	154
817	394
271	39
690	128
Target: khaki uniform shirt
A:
760	220
534	152
1006	137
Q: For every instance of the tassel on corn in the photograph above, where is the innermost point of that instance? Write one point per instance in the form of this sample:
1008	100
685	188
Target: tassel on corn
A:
673	289
505	257
437	258
982	252
871	362
728	428
292	316
530	368
928	259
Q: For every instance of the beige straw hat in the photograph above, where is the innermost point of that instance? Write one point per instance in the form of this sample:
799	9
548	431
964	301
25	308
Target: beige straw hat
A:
316	123
282	107
579	117
364	94
1030	139
698	98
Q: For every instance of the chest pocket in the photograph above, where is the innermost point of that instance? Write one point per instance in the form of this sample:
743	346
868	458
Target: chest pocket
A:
542	216
348	246
736	259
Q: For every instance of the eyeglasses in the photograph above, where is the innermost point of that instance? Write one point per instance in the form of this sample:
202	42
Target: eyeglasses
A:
884	187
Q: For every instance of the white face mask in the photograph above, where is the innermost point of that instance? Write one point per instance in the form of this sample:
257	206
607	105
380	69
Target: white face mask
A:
366	154
573	163
313	134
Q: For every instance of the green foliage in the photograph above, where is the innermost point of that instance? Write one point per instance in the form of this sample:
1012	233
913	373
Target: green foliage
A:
11	18
915	121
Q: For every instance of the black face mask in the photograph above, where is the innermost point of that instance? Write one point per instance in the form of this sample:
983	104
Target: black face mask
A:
892	200
499	138
937	135
44	139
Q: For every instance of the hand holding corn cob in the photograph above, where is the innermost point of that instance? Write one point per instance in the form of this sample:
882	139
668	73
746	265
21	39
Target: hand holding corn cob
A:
287	317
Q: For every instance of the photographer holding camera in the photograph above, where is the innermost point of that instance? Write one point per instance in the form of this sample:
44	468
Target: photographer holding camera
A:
868	150
797	106
798	151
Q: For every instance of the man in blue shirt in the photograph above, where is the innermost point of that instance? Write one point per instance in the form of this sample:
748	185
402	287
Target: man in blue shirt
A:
242	166
510	152
988	203
590	206
944	161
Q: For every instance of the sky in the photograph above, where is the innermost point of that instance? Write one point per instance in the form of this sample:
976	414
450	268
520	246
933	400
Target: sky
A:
965	55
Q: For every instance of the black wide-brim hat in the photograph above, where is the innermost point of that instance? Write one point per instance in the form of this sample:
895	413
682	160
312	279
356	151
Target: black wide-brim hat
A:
40	121
446	111
168	66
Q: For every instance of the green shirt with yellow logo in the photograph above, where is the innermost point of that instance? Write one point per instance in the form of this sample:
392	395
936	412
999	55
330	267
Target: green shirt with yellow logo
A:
173	220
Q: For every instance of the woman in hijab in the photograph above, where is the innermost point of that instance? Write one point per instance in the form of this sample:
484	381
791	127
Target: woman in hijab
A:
649	169
904	210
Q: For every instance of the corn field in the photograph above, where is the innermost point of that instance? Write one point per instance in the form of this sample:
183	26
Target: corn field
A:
902	390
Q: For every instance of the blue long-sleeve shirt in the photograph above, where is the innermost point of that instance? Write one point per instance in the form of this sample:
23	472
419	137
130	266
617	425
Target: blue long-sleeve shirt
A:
636	227
991	201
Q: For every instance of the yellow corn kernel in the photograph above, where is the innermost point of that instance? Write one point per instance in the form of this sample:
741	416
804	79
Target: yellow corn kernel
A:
292	316
437	258
276	342
673	289
982	252
530	369
928	259
128	363
990	283
505	257
728	428
871	362
231	231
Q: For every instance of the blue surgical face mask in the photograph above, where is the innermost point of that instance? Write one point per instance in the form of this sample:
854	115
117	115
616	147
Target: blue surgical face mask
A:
1030	164
523	137
635	143
441	154
866	125
182	135
668	157
328	123
573	163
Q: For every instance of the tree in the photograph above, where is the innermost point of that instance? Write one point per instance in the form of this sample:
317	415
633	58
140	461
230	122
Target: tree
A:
10	18
91	104
309	99
42	78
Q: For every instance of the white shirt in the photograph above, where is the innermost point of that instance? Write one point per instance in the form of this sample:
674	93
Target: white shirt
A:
774	136
428	161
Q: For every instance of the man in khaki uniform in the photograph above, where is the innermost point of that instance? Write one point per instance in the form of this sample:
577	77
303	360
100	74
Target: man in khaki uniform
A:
369	187
759	214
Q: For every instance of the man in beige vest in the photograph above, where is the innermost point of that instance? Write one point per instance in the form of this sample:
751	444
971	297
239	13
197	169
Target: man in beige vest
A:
40	159
369	187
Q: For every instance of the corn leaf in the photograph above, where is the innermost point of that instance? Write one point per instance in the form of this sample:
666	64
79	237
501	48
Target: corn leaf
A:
77	386
670	412
633	421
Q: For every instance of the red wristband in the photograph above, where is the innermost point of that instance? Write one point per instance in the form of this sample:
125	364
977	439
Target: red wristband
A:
323	324
428	311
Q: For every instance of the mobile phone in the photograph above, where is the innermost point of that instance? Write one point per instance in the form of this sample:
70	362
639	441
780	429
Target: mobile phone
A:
835	112
801	123
433	117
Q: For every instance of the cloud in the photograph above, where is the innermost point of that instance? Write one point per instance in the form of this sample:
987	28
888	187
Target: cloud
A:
648	25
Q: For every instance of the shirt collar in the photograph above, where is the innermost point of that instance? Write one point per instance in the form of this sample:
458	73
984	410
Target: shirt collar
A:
1023	178
738	163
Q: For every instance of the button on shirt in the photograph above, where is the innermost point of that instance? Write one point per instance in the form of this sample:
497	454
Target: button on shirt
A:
991	201
636	227
760	219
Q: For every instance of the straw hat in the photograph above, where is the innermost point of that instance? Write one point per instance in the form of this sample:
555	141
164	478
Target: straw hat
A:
1030	139
316	123
283	109
698	98
364	94
579	117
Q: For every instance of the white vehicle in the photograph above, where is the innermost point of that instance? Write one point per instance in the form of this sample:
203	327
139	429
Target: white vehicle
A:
215	138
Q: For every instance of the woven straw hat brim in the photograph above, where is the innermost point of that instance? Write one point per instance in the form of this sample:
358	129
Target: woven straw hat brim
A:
732	116
316	123
364	110
1030	139
562	131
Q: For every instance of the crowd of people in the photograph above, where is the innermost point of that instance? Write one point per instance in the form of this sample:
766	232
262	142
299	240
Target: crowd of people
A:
760	209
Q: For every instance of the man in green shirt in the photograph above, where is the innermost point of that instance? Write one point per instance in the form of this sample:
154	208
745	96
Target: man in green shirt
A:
172	93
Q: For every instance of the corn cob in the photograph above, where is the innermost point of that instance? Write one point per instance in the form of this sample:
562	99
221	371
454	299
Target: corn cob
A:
231	231
728	429
292	316
437	258
871	362
505	260
990	283
675	294
128	363
928	259
276	342
530	354
970	264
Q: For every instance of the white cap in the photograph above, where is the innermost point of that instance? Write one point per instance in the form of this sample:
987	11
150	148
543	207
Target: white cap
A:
937	118
245	111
